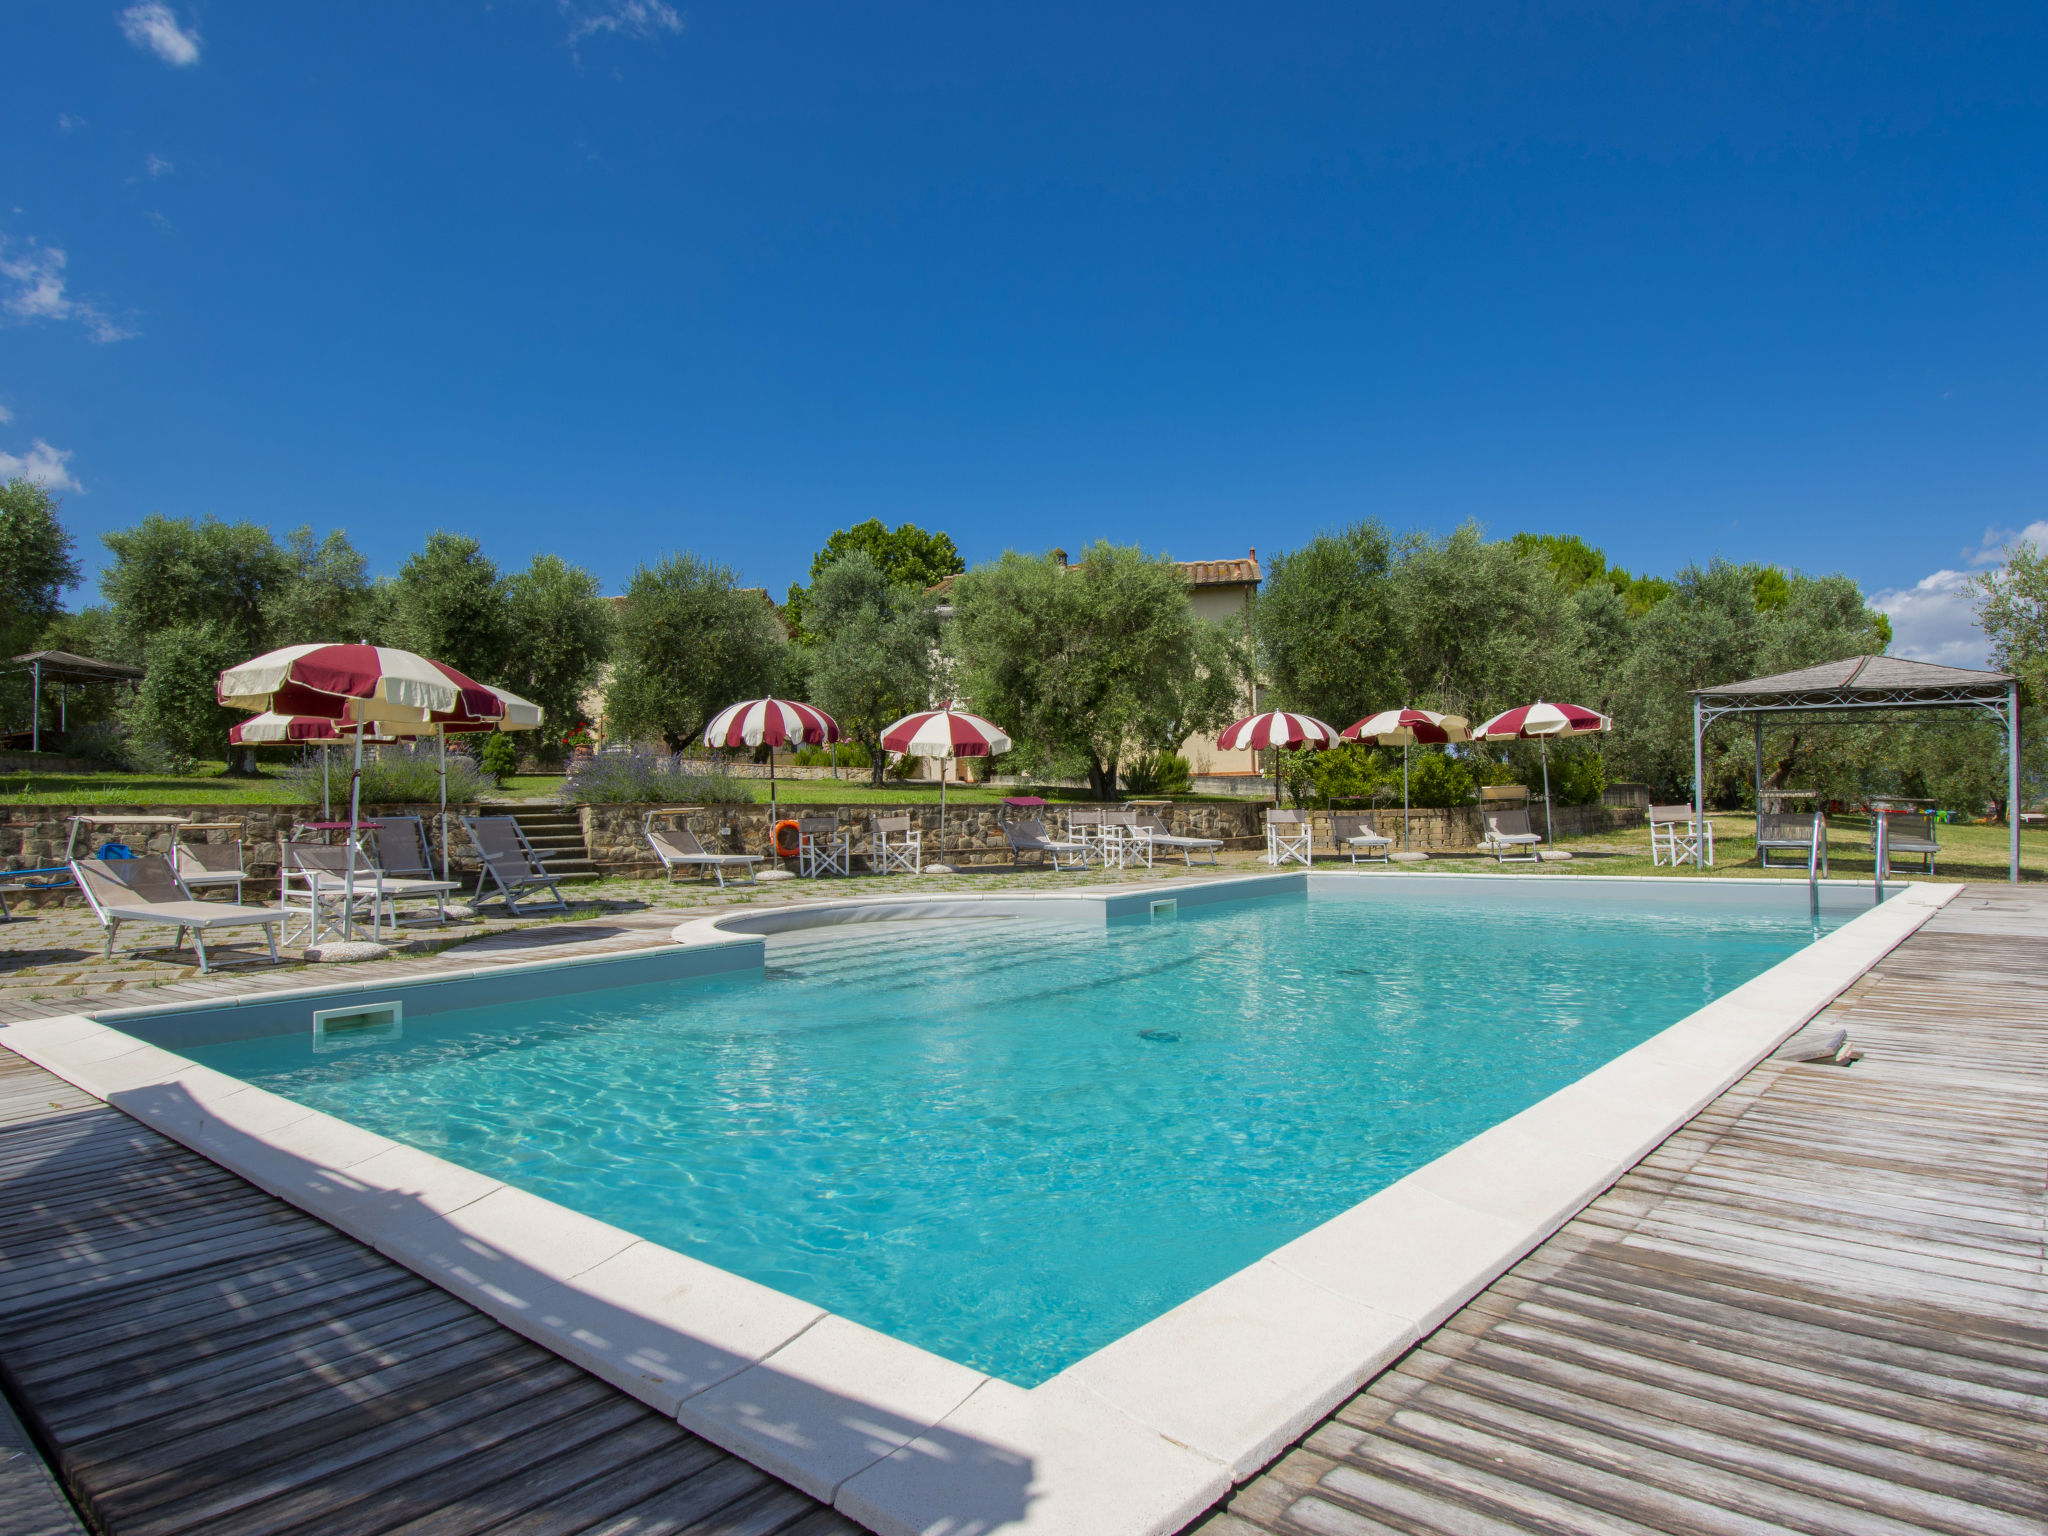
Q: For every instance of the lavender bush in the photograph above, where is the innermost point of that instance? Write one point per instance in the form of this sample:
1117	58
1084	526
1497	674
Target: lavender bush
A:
642	778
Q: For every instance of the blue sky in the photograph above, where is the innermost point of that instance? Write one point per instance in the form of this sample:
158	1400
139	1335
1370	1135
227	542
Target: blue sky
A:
615	277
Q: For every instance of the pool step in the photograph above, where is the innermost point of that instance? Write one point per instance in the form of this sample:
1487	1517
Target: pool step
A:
557	836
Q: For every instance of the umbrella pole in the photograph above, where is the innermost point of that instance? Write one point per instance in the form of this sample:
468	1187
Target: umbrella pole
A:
441	741
942	808
326	808
1544	743
355	805
771	794
1407	842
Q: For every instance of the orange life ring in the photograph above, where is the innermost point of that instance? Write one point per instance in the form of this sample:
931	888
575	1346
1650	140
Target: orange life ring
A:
786	848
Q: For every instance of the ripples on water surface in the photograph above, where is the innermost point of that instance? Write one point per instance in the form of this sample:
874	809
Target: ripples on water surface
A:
1012	1142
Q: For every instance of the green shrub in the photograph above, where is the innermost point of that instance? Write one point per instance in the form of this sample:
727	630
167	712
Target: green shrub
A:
850	754
1158	773
405	774
499	758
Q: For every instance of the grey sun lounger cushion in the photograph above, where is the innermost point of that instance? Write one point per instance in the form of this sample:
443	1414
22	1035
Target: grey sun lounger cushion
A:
1354	832
509	861
678	848
1152	828
1506	830
148	890
1030	837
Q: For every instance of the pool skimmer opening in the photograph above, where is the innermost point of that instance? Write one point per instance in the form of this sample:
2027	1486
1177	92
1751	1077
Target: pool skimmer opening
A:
339	1029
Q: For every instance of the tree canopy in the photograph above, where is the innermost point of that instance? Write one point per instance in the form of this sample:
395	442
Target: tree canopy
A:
1091	665
874	649
690	641
905	553
448	603
561	636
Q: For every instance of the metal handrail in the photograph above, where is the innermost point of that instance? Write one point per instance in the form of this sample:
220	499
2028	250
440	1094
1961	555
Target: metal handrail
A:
1813	868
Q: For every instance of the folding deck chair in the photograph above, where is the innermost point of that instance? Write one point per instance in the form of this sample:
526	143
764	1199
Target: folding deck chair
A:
822	846
678	848
1674	838
895	844
508	861
1505	830
148	890
1289	835
1354	833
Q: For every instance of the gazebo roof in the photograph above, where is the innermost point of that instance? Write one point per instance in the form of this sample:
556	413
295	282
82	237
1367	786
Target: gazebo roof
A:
1862	680
77	669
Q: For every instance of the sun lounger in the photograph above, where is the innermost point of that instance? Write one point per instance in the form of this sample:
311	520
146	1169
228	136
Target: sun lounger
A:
1029	836
508	861
1153	831
895	844
1911	834
1675	840
1505	831
678	848
398	846
1289	835
1354	833
201	865
313	883
148	890
1792	832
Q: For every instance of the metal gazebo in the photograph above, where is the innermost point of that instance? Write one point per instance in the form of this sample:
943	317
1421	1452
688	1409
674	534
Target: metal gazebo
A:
1859	683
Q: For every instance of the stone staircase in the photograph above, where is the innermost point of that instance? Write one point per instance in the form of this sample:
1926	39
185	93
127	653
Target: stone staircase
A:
557	836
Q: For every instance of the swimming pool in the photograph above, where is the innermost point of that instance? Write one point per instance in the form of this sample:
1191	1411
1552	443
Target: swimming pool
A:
1011	1142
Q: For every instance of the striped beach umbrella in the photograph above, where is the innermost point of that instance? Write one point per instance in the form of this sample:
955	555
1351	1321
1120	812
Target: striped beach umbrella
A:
1404	728
1543	720
322	731
945	733
771	723
1277	728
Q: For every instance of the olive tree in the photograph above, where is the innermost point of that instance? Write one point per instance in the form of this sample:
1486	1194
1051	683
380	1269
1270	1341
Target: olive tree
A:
874	649
690	641
1096	663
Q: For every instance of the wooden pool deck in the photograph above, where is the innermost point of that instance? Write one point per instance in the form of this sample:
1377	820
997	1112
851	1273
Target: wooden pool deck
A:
1819	1307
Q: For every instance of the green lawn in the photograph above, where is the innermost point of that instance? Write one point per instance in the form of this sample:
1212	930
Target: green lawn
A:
209	786
1969	852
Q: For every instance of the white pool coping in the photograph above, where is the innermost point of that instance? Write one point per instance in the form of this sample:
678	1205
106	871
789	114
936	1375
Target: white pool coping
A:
1135	1440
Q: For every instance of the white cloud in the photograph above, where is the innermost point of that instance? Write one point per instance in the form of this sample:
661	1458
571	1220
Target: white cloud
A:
622	18
69	124
32	288
1935	619
151	24
157	165
48	467
5	415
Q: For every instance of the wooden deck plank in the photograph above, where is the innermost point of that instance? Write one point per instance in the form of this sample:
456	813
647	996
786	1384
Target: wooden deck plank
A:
1820	1306
203	1358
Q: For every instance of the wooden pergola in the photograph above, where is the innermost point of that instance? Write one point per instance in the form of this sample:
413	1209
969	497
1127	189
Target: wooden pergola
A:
1861	683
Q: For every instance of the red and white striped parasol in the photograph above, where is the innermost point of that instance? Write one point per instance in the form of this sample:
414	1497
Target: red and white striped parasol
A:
377	680
945	733
1404	728
1277	728
1544	720
1407	727
396	693
773	723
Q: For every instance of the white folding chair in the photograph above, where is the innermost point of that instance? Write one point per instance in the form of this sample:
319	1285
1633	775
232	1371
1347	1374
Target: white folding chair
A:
1289	835
823	847
895	844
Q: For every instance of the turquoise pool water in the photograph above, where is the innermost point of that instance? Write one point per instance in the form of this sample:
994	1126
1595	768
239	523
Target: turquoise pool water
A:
1012	1142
